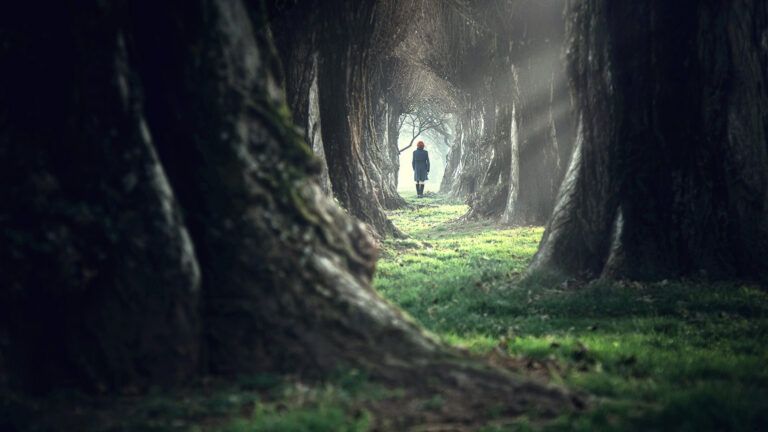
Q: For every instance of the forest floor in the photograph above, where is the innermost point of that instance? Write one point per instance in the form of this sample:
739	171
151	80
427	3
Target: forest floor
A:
673	355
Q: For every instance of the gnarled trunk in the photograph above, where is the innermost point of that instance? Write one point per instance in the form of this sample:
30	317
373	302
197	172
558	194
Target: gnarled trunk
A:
670	173
294	28
468	158
165	224
497	192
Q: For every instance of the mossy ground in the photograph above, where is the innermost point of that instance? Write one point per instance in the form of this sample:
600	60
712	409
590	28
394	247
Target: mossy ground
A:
688	356
674	355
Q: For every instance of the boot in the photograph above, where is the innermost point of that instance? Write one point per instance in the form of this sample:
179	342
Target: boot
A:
418	190
421	192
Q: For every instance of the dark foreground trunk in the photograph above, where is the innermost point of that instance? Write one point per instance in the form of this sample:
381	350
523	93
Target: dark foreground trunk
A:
670	172
160	222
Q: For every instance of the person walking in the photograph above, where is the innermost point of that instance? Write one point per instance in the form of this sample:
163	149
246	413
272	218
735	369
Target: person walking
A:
420	167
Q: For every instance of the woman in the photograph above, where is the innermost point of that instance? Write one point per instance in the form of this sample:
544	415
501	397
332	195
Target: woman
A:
420	167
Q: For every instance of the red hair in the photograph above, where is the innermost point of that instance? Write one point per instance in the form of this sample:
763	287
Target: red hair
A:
420	144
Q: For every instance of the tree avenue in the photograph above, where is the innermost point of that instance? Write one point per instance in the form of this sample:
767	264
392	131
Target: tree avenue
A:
172	205
198	187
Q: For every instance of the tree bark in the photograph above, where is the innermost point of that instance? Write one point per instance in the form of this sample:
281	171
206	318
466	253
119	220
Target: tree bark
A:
670	173
294	27
166	223
383	158
393	138
468	158
497	193
303	36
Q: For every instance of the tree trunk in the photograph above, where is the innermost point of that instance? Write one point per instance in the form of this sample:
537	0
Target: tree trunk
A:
314	134
345	107
546	135
468	158
540	156
393	138
294	30
384	159
497	193
520	183
164	222
670	173
301	35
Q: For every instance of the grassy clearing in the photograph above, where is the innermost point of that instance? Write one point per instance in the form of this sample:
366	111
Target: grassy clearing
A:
664	356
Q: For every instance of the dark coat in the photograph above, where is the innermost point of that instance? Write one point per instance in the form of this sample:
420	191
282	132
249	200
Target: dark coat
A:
420	165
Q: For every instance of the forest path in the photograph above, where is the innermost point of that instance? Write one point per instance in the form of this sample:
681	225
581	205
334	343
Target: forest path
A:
674	355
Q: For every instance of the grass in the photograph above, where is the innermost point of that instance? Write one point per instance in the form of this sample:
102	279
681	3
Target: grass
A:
674	355
260	403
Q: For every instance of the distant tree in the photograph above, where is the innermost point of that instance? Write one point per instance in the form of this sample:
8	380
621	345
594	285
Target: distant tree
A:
422	120
530	133
512	128
346	119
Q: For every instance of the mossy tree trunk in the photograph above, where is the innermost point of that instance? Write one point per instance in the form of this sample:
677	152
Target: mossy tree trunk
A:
499	181
346	110
670	173
313	37
165	223
468	157
294	28
381	147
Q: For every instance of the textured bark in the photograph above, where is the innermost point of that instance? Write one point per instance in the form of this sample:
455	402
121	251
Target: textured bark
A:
314	134
137	175
393	139
346	112
670	172
383	157
306	34
294	30
468	158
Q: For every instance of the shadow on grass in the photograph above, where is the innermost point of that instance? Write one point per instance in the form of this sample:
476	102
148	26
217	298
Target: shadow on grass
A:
672	355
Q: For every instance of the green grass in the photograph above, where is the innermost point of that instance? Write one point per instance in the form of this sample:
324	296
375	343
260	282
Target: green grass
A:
680	355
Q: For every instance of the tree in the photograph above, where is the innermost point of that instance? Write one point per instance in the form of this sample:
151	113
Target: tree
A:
421	121
165	222
294	29
320	43
670	172
519	183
